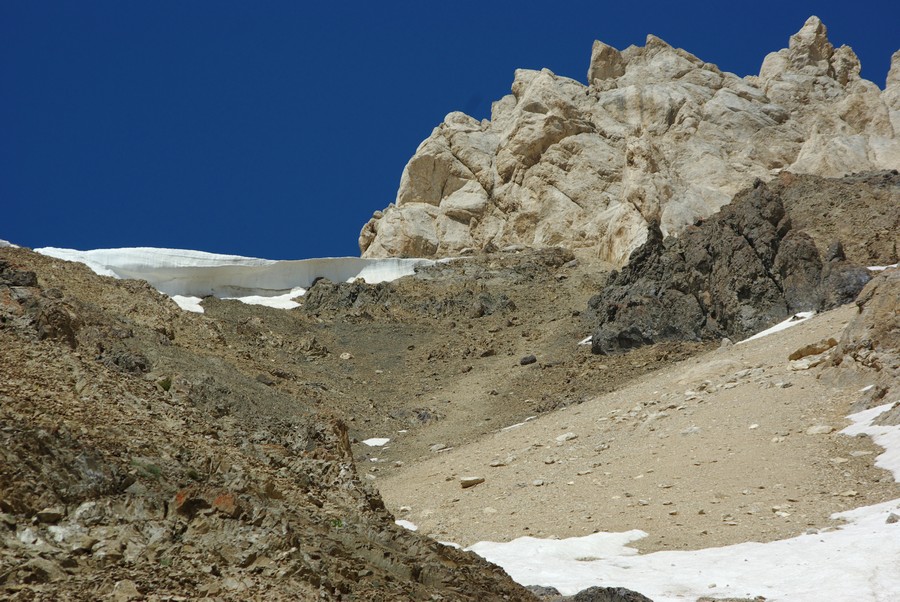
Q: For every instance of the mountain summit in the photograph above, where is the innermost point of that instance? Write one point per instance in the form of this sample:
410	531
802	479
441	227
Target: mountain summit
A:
657	135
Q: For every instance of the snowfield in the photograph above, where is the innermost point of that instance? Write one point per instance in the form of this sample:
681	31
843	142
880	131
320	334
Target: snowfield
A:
188	276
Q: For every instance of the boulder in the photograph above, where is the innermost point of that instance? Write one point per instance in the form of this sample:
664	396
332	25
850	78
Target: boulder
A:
869	344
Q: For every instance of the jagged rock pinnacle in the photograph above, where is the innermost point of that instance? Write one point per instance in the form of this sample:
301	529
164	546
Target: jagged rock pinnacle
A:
656	134
606	62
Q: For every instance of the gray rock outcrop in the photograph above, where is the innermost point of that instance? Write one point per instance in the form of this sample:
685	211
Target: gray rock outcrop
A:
870	345
657	136
734	274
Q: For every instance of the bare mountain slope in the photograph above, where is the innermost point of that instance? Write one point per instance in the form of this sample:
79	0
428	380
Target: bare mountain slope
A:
135	464
148	451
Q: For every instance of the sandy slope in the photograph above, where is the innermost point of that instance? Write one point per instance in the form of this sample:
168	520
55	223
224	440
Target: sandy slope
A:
709	451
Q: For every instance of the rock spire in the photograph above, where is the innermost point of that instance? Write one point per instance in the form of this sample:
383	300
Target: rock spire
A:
657	135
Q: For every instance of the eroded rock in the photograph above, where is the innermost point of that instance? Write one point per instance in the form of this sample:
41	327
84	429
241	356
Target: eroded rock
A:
738	272
657	136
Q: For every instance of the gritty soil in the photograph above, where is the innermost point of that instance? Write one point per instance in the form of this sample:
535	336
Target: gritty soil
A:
713	450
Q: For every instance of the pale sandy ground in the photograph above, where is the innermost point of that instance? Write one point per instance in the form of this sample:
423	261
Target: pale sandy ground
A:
710	451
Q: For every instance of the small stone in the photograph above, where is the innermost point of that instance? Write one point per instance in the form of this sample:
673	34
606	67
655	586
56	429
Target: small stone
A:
43	570
51	515
489	510
497	463
537	482
125	590
227	504
566	437
528	359
82	544
466	482
892	518
820	429
438	447
346	355
543	591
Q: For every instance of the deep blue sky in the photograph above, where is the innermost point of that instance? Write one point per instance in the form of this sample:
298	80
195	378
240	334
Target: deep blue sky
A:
275	129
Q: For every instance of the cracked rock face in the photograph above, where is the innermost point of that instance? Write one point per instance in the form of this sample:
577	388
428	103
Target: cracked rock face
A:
658	135
734	274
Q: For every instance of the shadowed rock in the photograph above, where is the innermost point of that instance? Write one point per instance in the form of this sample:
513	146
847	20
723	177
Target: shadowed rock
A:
739	272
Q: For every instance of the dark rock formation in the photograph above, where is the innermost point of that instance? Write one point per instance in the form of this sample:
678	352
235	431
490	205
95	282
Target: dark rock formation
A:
609	594
591	594
734	274
870	344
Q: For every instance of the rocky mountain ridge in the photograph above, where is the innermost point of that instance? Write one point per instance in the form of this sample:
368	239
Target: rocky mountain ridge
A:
658	135
149	452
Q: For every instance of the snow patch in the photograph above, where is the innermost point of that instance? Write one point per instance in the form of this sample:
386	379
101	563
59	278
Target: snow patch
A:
188	303
6	243
376	441
880	268
792	321
887	437
406	524
856	561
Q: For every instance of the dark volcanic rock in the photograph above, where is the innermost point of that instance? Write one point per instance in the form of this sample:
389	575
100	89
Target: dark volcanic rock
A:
734	274
609	594
543	591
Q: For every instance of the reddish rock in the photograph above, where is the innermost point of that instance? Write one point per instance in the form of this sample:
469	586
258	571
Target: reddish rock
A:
227	504
189	502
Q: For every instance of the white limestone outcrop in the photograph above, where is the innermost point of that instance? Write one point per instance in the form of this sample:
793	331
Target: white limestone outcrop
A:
657	135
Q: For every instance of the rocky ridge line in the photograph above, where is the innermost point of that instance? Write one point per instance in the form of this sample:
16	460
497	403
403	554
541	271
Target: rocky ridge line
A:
657	136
